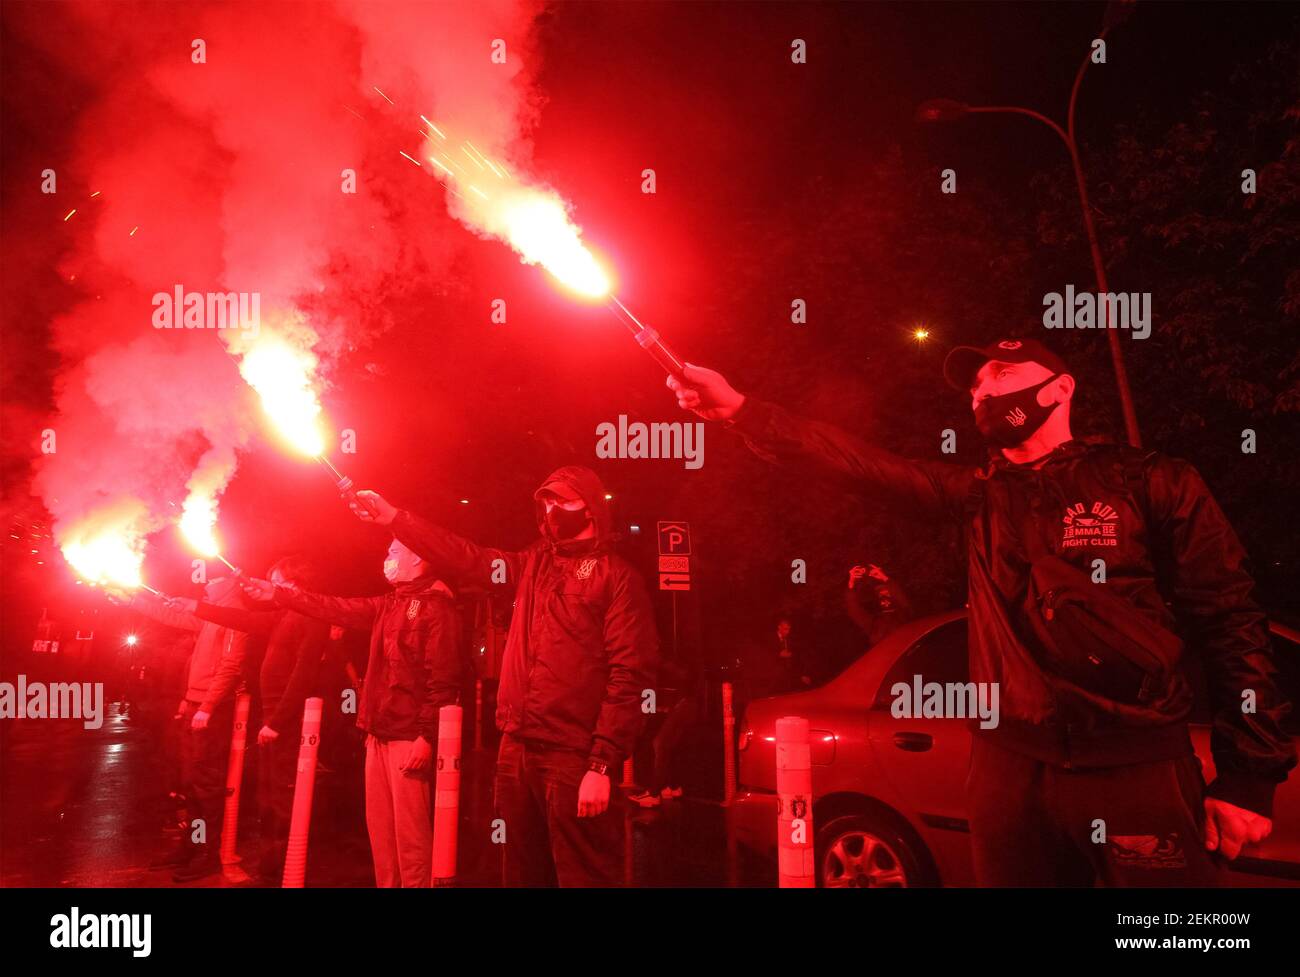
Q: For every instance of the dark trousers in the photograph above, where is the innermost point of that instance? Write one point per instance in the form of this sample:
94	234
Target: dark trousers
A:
205	759
546	843
277	775
1035	824
677	724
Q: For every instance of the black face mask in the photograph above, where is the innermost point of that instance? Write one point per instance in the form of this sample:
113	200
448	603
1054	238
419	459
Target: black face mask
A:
567	523
1009	419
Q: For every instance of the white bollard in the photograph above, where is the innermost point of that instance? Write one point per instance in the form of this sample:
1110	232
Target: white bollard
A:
234	778
728	746
304	789
478	714
796	860
446	802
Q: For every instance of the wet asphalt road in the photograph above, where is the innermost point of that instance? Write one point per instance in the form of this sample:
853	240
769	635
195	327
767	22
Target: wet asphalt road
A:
81	807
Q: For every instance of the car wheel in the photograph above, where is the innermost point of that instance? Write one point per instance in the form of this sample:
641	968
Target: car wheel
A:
862	852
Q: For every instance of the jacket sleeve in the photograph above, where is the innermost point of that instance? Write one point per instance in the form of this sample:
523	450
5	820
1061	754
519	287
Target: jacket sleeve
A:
858	614
442	665
311	638
152	607
777	436
455	557
348	612
1210	586
226	679
632	654
237	618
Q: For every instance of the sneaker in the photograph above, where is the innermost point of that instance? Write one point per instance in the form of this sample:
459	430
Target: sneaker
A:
202	864
644	798
673	791
178	855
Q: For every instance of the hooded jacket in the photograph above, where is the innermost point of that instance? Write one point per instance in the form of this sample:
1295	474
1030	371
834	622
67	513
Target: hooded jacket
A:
1169	552
415	665
582	645
213	645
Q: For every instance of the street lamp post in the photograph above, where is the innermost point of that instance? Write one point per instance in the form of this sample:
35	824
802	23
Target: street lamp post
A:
947	110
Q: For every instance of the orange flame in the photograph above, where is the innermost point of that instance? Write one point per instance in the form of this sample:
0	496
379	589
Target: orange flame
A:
198	523
532	220
537	226
283	377
108	546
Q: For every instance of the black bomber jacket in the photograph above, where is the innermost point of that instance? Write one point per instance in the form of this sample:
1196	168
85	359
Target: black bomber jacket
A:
1169	551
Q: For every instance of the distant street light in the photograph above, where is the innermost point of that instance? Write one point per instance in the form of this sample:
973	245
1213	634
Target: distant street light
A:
949	110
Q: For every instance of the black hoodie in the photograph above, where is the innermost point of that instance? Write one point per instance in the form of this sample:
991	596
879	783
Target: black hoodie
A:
582	645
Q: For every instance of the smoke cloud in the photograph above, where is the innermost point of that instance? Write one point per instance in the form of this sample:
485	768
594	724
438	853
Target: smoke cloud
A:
218	140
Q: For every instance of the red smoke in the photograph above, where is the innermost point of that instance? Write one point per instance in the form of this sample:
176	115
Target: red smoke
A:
231	173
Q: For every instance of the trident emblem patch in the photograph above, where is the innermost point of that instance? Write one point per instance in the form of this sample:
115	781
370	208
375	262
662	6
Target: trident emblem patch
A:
584	569
412	609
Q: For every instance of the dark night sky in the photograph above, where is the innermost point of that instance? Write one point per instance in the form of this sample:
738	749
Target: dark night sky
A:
739	137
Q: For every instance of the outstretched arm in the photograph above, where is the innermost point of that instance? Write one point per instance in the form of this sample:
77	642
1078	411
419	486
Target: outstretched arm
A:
347	612
780	437
452	557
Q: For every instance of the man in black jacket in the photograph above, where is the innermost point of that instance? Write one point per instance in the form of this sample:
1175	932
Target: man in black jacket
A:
1089	774
415	669
580	653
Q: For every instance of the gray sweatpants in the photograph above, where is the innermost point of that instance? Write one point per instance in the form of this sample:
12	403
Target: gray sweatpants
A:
397	817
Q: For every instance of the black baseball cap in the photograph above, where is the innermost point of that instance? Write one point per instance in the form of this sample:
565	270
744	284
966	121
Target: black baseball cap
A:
964	362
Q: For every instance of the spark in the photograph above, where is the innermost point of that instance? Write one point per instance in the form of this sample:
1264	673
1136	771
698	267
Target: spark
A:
479	192
133	230
434	128
441	167
479	153
412	159
471	157
70	213
97	193
383	96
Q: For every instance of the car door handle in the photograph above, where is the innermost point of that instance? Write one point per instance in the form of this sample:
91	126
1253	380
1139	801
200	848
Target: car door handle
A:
913	742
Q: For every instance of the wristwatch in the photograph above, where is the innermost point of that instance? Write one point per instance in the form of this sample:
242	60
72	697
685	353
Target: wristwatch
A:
598	766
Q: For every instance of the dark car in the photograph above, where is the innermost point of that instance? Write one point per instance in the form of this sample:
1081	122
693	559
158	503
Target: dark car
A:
889	805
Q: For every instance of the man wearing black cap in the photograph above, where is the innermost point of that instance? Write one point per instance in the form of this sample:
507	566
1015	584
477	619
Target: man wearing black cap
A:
1089	566
580	653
